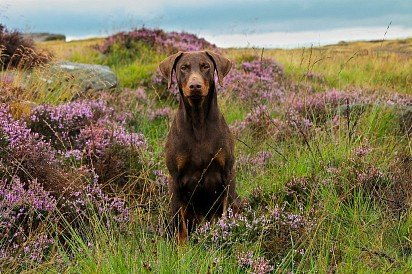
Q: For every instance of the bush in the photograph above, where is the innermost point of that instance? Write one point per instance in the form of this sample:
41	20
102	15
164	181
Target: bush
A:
39	187
163	42
90	132
257	81
17	51
279	228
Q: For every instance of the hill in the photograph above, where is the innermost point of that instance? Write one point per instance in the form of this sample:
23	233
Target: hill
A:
323	165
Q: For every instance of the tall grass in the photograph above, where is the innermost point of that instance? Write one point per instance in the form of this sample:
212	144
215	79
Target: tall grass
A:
382	66
344	176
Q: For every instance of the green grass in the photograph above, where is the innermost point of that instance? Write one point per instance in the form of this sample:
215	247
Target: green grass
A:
137	251
133	66
382	66
352	231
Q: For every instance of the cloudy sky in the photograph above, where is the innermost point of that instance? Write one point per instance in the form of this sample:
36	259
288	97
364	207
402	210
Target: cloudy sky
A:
286	23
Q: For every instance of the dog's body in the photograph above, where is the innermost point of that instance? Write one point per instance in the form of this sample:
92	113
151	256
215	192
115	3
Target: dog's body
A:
200	147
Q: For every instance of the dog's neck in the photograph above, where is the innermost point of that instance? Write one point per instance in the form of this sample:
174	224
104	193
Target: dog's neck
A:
197	117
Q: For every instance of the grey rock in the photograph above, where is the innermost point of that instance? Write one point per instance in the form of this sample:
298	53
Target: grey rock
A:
90	77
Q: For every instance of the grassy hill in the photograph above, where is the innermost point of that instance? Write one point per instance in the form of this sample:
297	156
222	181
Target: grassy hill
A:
324	162
374	65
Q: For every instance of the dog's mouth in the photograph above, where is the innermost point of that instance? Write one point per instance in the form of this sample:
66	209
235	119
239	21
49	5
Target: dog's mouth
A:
196	97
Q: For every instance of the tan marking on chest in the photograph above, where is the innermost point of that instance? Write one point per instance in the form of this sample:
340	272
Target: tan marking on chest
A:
221	158
181	161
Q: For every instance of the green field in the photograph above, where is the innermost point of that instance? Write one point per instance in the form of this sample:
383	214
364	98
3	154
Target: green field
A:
349	176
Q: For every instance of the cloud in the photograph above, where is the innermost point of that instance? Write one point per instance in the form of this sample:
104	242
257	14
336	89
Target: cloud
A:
245	18
307	38
137	7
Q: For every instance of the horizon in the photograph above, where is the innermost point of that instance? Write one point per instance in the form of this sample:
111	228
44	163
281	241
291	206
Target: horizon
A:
234	23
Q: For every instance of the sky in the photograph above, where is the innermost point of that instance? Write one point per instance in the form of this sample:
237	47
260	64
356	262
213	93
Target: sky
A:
228	23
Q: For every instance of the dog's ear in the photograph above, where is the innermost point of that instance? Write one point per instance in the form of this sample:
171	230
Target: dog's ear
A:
167	66
222	65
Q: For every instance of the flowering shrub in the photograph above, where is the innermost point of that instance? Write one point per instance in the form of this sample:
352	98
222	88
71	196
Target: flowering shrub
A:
258	265
159	113
256	81
25	207
62	124
314	76
254	163
36	182
140	94
22	208
165	42
297	190
317	106
84	128
278	228
21	148
260	124
17	51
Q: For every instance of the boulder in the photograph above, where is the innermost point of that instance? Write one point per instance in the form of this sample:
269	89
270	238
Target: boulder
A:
90	77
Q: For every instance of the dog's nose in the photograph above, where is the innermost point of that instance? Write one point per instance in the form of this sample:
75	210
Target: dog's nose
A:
195	86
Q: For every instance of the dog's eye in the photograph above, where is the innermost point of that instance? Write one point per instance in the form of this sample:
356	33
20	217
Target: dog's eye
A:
205	66
184	68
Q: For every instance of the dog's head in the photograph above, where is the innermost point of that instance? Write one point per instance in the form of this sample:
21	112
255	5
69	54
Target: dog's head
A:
195	72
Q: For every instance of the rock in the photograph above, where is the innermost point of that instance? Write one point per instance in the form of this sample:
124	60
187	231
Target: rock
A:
44	36
90	77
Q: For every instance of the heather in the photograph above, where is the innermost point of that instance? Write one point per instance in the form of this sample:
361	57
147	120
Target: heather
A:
18	51
39	186
162	41
323	164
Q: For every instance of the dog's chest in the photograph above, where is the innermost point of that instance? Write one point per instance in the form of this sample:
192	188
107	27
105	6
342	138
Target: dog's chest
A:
205	154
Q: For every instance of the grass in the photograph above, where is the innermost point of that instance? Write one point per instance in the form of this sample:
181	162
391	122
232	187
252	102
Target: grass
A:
353	232
137	252
383	66
132	67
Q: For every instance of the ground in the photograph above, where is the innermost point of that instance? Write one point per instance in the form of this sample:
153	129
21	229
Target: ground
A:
323	163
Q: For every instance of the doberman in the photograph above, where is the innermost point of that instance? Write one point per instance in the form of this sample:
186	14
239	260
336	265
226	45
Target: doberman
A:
199	147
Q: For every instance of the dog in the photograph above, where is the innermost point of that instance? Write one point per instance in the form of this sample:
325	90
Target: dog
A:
199	147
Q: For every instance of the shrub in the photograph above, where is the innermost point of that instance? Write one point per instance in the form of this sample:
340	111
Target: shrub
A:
22	209
39	188
17	51
164	42
276	228
319	106
91	132
22	150
258	265
26	210
256	81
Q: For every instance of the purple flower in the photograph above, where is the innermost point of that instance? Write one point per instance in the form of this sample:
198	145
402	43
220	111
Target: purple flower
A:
257	80
88	127
258	265
166	42
159	113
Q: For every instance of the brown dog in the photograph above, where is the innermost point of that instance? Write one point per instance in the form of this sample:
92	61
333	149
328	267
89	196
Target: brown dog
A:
199	148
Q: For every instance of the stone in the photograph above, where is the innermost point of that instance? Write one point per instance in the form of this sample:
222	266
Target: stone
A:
89	76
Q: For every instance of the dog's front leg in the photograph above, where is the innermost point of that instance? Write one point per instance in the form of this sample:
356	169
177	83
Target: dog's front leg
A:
183	232
178	211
